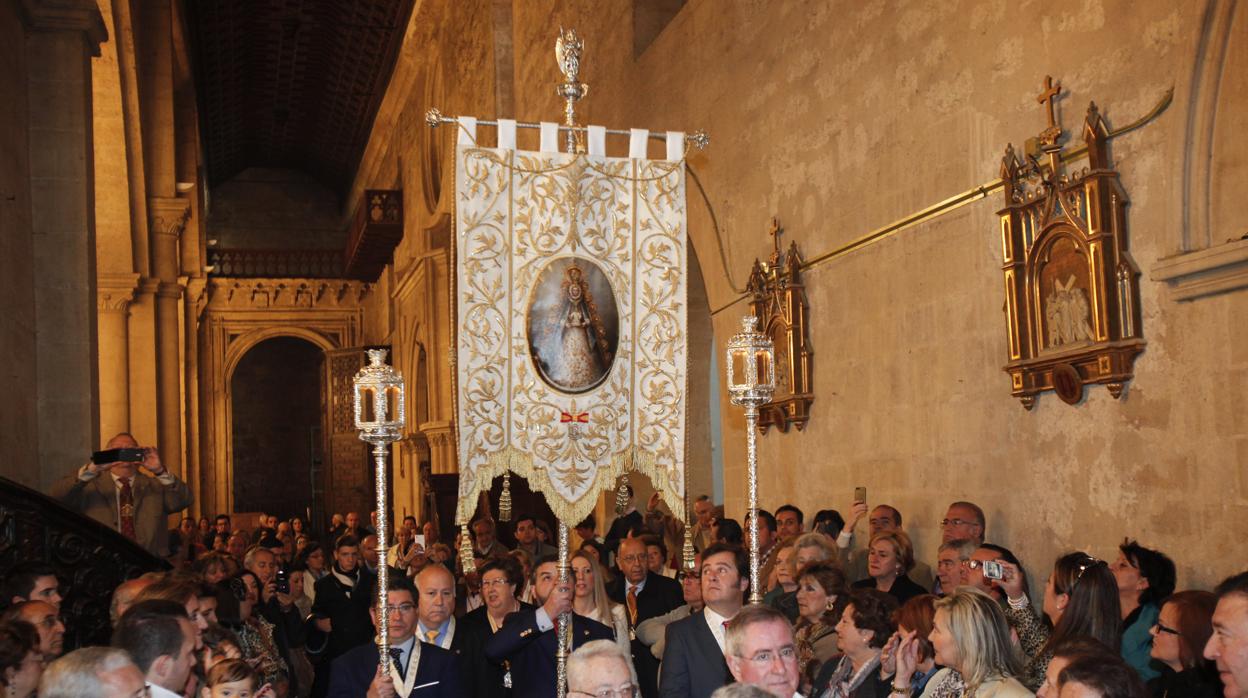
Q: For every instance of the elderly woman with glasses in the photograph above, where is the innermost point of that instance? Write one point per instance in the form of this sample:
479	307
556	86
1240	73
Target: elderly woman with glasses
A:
866	625
1080	598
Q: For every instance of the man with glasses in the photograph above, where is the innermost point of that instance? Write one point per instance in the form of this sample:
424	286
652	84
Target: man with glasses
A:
653	632
761	651
601	669
693	661
46	619
644	595
963	520
417	668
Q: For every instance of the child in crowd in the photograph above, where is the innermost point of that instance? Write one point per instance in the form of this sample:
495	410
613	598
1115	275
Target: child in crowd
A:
234	678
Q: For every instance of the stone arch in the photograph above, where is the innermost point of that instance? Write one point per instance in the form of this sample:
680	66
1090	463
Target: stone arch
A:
237	349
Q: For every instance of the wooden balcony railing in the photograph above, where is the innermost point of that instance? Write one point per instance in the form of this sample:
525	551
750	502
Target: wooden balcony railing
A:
279	264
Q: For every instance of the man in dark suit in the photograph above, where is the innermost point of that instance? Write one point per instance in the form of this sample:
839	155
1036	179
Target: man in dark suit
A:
645	595
693	659
340	619
418	670
527	639
117	496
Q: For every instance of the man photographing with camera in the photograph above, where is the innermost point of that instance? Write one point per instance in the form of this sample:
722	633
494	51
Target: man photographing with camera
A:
111	490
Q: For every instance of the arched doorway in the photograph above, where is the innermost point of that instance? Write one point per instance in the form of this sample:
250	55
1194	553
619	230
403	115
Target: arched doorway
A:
275	426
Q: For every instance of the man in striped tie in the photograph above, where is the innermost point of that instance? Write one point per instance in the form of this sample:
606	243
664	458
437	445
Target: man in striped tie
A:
132	497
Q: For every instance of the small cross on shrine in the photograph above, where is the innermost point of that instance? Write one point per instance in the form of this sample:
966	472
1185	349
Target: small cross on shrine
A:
775	232
1051	91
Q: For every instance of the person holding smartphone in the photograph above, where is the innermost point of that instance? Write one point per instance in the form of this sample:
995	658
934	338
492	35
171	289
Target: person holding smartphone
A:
127	488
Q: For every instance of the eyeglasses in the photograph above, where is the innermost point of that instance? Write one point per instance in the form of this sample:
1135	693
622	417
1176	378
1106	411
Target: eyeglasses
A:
494	582
629	691
684	576
1166	629
401	608
945	523
633	558
764	657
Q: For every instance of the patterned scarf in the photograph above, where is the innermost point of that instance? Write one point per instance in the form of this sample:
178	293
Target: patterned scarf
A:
845	680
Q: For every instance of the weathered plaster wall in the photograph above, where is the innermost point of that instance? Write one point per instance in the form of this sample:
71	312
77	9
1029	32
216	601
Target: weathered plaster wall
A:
18	417
840	117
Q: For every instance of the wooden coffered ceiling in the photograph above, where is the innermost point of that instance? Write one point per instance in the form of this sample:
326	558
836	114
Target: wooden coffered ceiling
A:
292	83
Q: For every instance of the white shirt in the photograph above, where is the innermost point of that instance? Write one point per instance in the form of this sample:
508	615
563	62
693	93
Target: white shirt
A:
160	692
715	622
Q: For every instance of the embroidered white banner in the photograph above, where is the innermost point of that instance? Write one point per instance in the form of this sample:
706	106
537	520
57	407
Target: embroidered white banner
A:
571	338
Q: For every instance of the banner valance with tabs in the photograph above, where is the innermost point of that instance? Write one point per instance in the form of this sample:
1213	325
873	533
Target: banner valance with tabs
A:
571	348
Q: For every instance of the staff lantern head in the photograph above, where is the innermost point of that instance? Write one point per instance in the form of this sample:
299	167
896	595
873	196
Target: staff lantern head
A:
751	364
379	404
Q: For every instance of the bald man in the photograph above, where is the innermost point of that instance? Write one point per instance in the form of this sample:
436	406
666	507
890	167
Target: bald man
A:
133	498
435	587
125	593
46	619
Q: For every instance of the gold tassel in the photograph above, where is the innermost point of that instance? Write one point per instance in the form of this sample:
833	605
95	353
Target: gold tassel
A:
621	495
504	500
466	560
687	552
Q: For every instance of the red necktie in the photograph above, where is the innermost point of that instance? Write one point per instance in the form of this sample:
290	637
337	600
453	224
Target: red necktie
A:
127	509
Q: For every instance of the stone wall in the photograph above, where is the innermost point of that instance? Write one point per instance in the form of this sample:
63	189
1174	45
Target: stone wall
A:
840	118
18	419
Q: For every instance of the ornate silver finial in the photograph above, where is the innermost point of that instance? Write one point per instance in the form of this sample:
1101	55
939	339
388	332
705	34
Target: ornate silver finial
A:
568	49
433	117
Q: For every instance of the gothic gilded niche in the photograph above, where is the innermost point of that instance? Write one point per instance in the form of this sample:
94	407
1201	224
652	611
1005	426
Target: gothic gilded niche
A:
1072	288
778	300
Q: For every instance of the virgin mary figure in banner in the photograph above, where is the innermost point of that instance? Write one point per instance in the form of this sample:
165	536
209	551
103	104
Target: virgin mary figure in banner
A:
571	340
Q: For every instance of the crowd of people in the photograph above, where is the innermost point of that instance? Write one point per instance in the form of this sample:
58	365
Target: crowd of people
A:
281	610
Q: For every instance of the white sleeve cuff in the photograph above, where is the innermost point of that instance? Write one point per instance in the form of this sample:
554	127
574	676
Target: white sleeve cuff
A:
544	622
843	539
166	478
85	474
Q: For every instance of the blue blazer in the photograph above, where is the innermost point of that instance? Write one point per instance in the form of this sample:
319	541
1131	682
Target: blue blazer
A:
532	652
693	665
436	675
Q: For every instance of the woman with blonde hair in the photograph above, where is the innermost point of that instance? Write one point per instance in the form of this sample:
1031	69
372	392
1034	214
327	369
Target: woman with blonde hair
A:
890	557
589	598
971	636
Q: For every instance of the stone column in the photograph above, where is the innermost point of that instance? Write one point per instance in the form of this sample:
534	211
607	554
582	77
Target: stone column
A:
114	294
167	220
61	37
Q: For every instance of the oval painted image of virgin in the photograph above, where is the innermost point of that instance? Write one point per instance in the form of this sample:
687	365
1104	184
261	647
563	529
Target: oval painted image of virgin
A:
573	325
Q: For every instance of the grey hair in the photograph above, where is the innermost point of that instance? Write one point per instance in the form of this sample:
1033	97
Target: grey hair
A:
740	690
965	547
740	624
578	663
78	673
